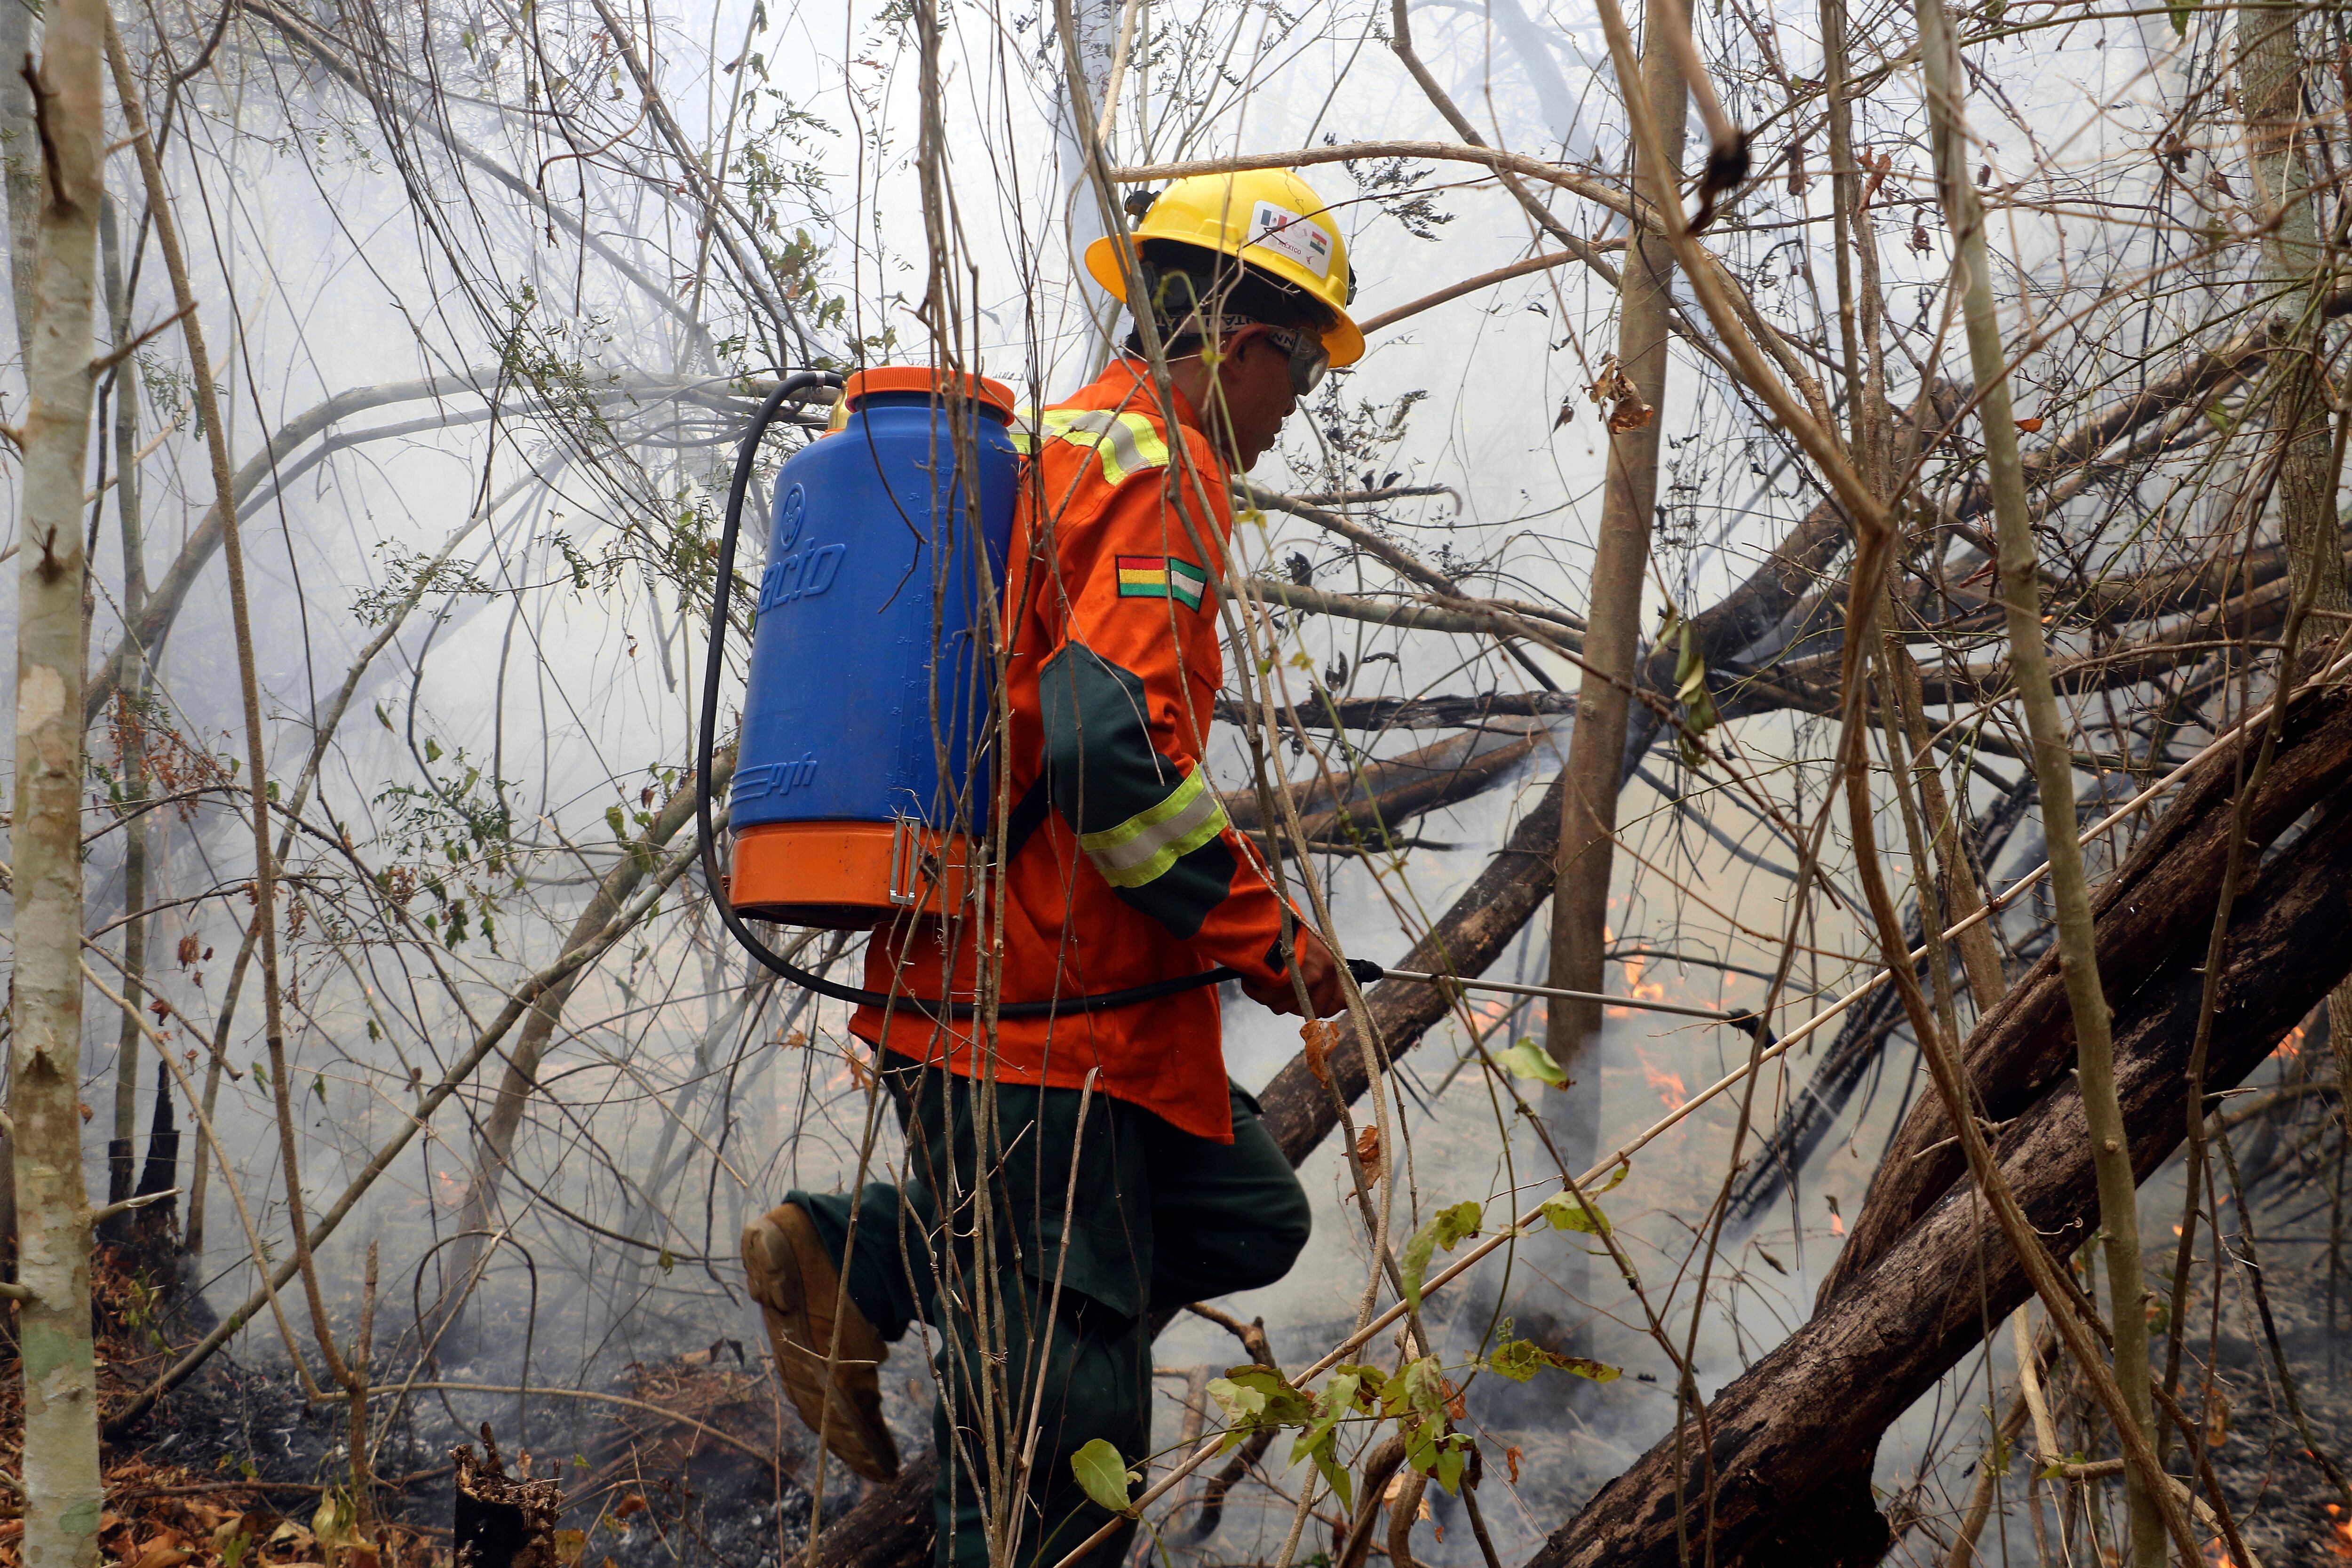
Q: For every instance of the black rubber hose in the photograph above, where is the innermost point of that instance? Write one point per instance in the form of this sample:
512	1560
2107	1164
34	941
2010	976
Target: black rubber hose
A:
714	666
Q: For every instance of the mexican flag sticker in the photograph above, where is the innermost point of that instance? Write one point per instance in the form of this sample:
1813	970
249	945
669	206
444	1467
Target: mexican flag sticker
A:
1292	235
1161	577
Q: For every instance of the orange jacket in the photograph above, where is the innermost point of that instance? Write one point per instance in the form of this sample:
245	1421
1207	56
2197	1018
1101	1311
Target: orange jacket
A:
1135	875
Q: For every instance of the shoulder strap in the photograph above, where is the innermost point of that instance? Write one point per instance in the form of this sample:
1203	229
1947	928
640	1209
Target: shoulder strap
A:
1027	816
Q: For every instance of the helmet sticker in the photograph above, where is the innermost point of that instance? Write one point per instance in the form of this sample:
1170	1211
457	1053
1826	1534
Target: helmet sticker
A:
1291	236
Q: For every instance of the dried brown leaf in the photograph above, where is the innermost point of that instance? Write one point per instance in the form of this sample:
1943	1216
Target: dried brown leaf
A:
1316	1037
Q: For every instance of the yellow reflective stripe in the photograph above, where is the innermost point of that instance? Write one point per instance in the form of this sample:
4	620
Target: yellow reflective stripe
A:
1128	444
1143	847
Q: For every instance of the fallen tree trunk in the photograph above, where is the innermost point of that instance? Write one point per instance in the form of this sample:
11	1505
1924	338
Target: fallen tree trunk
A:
1786	1435
2157	901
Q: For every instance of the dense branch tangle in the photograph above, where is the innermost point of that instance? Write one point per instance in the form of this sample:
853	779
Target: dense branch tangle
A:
608	249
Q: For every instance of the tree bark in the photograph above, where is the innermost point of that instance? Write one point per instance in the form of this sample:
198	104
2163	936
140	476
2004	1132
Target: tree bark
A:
20	166
1919	1305
131	732
1594	774
61	1486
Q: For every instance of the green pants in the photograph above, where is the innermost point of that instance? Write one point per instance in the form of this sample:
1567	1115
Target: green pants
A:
1157	1218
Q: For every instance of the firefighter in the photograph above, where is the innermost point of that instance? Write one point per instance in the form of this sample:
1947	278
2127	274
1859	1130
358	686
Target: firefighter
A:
1120	868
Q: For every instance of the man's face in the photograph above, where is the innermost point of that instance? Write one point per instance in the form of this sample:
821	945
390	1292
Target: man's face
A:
1253	378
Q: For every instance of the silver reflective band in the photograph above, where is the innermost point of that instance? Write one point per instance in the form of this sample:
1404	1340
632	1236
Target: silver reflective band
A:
1143	847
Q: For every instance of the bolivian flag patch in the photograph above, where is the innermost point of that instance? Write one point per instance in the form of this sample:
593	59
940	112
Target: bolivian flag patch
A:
1161	577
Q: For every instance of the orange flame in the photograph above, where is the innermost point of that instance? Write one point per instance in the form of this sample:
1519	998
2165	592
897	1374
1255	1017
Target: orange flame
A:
2339	1534
2291	1046
1650	991
1671	1092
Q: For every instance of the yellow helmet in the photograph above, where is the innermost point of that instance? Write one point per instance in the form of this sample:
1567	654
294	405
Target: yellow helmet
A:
1271	219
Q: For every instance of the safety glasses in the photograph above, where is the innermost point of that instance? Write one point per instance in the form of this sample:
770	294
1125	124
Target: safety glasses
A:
1308	358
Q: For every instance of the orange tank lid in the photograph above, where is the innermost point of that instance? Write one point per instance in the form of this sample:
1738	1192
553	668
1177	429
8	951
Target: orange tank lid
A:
991	394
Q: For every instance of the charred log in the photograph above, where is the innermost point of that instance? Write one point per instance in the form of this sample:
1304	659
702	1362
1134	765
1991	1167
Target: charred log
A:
2158	900
501	1521
1918	1300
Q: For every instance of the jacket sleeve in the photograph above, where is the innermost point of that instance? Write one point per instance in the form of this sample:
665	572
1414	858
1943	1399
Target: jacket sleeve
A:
1123	696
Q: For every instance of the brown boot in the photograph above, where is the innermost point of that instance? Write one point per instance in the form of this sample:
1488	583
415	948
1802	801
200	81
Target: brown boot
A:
796	1282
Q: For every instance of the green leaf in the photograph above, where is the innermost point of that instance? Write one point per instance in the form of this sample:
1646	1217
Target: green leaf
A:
1526	1058
1336	1476
1336	1402
1279	1402
1451	1459
432	750
1103	1474
1520	1359
382	717
1417	1391
1421	1445
2181	10
318	1087
617	823
668	1260
1566	1212
1370	1384
1699	704
1447	1227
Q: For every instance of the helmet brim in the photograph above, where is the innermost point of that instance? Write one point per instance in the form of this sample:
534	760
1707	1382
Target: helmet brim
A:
1343	340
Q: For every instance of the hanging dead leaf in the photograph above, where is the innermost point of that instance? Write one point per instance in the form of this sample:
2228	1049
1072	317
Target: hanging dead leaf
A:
1316	1037
633	1503
1368	1153
2217	1416
1614	387
2030	426
1511	1456
189	947
1567	412
1879	164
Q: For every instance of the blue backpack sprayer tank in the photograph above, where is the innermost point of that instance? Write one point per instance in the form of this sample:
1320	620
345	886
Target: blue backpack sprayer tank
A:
861	794
862	781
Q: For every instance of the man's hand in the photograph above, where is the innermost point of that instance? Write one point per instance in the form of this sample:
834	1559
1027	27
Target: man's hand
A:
1316	967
